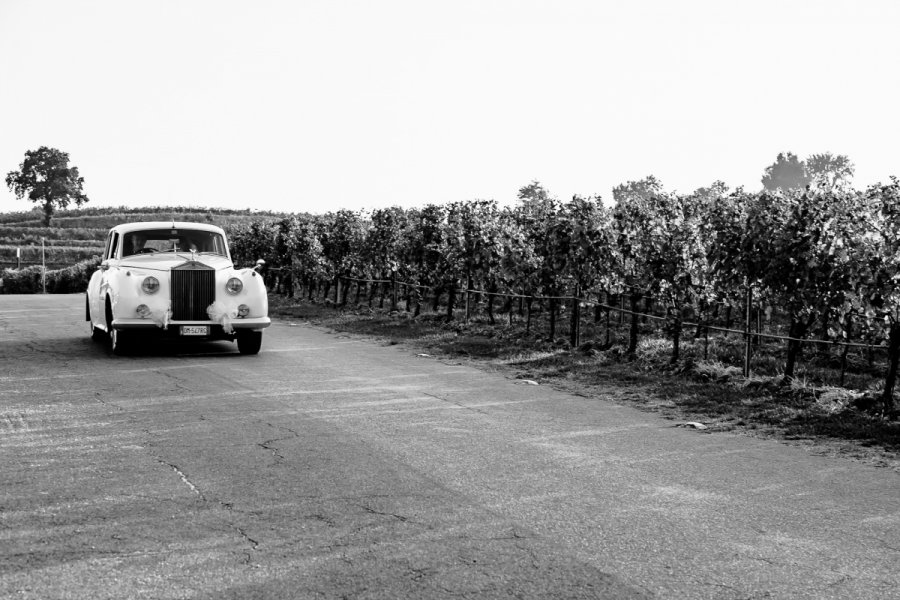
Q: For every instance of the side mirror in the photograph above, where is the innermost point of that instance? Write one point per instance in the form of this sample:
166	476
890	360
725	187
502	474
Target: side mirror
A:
104	265
259	265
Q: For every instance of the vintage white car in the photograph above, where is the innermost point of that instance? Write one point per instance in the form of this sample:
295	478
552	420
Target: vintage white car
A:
174	280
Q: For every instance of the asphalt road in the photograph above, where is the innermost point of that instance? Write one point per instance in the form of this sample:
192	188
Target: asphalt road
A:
336	467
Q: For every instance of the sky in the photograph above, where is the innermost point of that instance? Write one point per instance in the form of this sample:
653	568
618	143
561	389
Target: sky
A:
314	106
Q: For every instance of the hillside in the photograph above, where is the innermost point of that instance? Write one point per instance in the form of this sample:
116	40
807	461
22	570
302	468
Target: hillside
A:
76	235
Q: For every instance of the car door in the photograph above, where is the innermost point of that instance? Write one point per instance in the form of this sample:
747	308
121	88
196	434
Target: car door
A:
99	283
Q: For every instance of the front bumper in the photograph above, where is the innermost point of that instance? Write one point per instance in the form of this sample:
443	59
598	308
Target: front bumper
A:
253	323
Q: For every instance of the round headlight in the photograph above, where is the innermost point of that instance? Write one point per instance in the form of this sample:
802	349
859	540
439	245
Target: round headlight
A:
234	286
150	285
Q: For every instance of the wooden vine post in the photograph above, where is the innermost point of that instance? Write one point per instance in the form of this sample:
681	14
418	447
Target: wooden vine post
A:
530	300
468	287
848	324
608	312
747	330
394	307
705	338
575	328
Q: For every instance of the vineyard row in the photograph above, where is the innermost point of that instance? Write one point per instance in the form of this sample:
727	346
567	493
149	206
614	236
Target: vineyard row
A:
828	260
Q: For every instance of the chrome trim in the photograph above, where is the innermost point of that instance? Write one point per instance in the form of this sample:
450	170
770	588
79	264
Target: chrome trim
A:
192	291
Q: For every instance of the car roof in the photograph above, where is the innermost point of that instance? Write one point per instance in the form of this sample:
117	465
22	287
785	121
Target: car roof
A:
129	227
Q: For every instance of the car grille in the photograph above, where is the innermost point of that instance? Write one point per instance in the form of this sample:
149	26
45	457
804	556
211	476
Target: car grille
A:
193	290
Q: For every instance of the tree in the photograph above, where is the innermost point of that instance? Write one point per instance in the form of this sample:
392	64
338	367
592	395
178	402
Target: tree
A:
341	235
711	194
420	250
582	232
46	177
533	193
829	172
801	271
537	214
295	251
423	241
782	244
676	258
878	284
787	173
383	244
470	246
642	190
307	261
632	223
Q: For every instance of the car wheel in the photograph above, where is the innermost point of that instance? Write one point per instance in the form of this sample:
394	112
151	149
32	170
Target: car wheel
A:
249	342
117	341
117	338
96	334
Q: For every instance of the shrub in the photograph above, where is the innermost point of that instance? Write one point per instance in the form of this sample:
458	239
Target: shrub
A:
21	281
716	370
72	279
69	280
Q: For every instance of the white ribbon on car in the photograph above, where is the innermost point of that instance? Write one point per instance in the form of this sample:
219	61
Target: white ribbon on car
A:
218	313
161	318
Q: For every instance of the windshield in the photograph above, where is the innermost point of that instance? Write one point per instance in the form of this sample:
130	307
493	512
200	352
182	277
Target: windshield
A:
150	241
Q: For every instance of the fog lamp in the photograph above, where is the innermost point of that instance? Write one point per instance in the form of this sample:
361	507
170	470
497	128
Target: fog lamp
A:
243	311
143	311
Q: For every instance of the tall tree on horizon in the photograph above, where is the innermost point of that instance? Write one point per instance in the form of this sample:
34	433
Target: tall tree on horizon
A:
787	173
642	190
829	171
46	177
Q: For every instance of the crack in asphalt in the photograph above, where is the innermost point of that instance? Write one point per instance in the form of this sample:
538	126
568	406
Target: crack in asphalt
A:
177	381
34	347
372	511
227	506
183	477
514	536
269	444
254	544
323	518
455	403
417	574
768	561
104	402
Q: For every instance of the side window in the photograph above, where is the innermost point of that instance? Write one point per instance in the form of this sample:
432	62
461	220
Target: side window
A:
108	245
113	245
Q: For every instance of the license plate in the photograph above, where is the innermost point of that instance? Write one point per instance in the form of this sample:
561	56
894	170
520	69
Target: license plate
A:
194	330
